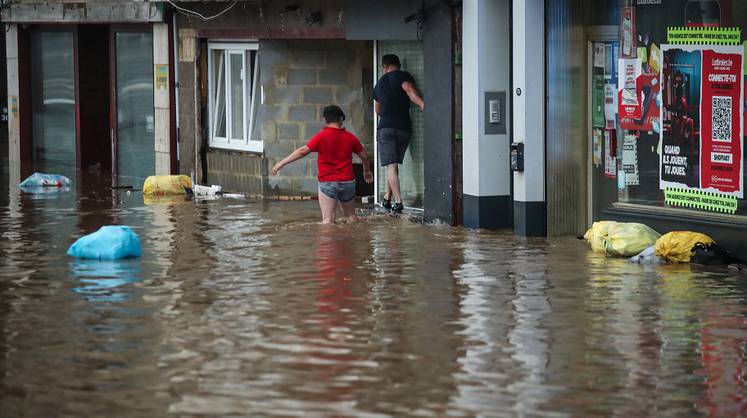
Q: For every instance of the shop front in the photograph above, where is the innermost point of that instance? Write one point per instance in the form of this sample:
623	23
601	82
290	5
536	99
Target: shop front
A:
88	96
666	118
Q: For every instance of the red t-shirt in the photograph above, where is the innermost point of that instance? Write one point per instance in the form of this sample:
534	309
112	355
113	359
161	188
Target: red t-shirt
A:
335	148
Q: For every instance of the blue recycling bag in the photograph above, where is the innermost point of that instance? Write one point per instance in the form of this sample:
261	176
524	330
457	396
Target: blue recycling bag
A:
45	180
111	242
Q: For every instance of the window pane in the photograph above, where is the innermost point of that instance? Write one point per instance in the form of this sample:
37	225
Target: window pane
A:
53	92
250	57
136	157
219	94
237	96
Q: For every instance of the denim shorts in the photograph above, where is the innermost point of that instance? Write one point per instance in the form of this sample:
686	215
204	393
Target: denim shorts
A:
343	191
392	145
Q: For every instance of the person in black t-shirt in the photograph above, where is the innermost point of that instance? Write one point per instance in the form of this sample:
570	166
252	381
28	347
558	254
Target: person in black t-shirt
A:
392	96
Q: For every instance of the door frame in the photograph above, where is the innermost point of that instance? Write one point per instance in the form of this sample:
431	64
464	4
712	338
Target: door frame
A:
376	67
606	33
113	110
375	123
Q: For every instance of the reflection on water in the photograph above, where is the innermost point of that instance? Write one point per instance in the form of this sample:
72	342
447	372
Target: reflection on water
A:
104	280
244	308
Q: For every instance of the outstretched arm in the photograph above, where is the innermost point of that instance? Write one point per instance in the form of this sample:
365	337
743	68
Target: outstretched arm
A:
413	94
299	153
367	174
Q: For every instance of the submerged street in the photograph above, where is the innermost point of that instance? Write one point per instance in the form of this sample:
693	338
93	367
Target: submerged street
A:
253	307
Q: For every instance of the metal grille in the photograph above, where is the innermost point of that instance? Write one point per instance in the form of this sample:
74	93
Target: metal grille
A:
566	140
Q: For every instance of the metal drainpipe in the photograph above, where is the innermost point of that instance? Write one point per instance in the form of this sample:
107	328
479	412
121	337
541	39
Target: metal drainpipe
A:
176	82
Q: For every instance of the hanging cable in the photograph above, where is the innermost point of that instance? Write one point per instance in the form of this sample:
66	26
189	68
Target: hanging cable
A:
196	14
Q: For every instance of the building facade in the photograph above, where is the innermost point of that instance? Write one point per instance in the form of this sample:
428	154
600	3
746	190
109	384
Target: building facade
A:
90	89
221	90
523	127
297	58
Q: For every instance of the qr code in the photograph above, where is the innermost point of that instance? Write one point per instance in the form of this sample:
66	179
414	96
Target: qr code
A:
722	118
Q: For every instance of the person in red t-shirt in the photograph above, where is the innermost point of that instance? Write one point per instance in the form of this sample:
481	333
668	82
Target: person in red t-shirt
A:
336	178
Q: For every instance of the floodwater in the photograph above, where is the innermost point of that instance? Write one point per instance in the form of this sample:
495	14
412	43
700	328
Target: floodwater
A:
250	308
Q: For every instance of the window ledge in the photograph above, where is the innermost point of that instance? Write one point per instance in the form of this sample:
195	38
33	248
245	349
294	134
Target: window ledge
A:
236	149
677	215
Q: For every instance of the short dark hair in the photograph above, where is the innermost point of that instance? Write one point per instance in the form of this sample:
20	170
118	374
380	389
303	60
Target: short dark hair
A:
333	114
390	59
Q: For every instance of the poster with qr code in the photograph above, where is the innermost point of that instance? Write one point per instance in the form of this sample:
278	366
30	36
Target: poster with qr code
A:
721	120
702	118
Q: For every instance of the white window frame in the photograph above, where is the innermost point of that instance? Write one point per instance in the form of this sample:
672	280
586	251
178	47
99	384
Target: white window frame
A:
250	97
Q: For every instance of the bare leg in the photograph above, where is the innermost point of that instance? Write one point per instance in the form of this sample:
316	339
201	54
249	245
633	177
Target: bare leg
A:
328	207
348	211
388	190
392	177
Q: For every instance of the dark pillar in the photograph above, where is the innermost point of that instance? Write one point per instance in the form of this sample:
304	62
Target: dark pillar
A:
438	117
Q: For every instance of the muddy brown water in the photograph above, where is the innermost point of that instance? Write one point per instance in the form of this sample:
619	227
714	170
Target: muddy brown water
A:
250	308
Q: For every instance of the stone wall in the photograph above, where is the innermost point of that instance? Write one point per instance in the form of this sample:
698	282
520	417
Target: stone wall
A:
298	78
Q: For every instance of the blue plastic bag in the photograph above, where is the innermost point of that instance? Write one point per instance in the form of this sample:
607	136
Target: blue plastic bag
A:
45	180
111	242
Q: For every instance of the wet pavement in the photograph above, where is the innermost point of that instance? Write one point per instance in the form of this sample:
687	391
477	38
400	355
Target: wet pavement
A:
251	308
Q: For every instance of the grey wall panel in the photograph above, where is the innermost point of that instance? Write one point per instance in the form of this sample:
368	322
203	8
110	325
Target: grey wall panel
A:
566	142
381	20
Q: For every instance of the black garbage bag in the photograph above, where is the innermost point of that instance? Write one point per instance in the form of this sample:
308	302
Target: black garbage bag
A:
712	255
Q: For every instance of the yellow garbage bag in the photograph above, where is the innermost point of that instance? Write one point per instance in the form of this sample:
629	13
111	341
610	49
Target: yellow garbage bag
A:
619	238
629	239
595	235
166	185
677	246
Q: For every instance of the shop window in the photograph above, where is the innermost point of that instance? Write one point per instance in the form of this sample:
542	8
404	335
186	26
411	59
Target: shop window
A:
233	74
681	142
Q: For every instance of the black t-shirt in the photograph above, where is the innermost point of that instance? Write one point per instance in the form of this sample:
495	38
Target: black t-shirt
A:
395	105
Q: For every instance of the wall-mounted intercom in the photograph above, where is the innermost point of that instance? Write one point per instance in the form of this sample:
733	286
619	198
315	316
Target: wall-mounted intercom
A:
495	112
517	156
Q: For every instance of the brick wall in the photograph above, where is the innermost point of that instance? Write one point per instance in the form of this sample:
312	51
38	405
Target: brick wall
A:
236	171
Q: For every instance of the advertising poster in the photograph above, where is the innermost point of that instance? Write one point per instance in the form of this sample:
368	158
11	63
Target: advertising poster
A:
647	88
630	160
628	32
596	147
629	102
609	61
702	120
610	153
610	105
597	105
162	76
721	140
599	55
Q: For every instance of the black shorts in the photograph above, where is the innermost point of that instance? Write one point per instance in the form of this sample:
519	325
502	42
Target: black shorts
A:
392	144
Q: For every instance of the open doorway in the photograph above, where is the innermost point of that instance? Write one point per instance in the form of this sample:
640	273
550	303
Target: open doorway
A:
411	174
94	145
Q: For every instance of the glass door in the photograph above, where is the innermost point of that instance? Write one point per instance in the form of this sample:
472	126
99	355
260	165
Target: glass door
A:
411	171
135	124
604	138
53	102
